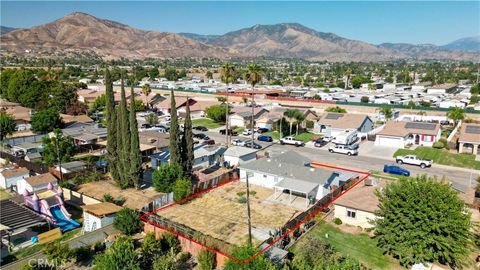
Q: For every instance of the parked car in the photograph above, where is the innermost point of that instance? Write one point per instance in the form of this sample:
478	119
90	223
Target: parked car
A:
319	142
291	141
265	138
254	145
247	132
200	128
238	142
414	160
209	142
262	130
162	128
395	169
230	132
201	136
344	149
328	138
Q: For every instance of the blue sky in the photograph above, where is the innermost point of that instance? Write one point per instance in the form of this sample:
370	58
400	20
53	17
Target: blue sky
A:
374	22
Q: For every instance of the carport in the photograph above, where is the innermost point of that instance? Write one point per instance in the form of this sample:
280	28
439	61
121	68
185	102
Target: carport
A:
295	186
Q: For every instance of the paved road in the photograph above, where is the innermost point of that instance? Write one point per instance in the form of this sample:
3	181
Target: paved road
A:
460	176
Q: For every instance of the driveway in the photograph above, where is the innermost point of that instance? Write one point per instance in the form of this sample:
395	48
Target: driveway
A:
368	148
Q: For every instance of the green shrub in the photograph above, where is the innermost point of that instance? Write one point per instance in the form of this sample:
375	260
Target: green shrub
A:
309	124
438	145
241	193
242	200
445	143
337	221
253	193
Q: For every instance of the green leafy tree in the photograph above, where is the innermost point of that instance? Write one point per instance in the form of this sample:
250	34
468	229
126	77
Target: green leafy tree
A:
120	256
174	145
206	259
387	112
127	221
58	253
151	248
411	104
475	90
166	262
62	96
423	220
46	120
209	75
456	114
112	140
187	156
7	125
165	176
336	109
146	90
357	82
62	144
123	136
135	159
171	74
364	99
182	188
170	243
152	119
244	253
217	113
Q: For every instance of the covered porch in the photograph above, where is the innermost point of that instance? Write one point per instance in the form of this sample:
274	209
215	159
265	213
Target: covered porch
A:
289	191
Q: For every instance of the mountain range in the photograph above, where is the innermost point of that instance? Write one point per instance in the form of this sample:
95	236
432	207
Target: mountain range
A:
80	32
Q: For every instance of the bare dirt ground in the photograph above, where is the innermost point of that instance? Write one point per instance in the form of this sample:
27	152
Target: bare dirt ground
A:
135	199
222	213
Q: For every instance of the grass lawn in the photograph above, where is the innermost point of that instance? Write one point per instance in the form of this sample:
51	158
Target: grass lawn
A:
306	136
274	134
206	122
442	156
239	129
358	246
4	195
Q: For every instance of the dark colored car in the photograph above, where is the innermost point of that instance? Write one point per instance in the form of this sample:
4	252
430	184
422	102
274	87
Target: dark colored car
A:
209	142
251	144
262	130
319	143
395	169
230	132
200	128
265	138
201	136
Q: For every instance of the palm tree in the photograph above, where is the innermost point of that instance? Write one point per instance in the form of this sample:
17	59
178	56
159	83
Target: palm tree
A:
290	114
456	114
387	112
227	75
348	73
253	76
146	90
209	74
300	117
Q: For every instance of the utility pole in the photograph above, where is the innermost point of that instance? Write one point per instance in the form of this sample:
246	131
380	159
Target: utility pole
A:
248	213
58	157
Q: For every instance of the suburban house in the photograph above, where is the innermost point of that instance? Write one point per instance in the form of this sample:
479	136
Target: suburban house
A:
333	124
96	216
197	110
238	155
204	156
242	116
88	95
469	140
33	157
160	141
165	105
69	120
22	115
401	133
86	134
36	183
292	173
269	121
357	206
72	167
10	176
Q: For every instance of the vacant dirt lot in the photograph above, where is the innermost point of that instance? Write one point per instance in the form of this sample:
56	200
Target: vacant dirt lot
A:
222	213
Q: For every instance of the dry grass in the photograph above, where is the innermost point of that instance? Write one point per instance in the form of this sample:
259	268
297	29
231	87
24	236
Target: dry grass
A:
135	199
220	214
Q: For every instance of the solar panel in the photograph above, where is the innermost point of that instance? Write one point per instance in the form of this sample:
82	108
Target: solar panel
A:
334	116
472	129
424	126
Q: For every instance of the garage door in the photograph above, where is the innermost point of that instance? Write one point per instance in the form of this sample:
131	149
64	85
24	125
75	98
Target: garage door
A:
389	141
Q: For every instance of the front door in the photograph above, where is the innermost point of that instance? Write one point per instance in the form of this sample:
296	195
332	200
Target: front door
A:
417	139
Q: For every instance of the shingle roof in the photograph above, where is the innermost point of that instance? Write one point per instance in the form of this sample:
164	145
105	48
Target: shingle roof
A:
469	134
14	172
342	120
41	179
402	128
361	197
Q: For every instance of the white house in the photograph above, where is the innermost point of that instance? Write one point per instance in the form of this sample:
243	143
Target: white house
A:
10	176
96	216
357	206
291	172
204	156
333	124
400	133
35	183
237	155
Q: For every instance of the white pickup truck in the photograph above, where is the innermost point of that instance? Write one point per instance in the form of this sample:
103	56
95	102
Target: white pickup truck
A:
414	160
291	141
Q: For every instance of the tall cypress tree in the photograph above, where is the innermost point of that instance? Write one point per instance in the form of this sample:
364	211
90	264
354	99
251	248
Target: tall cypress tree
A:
135	155
119	165
124	136
112	154
174	146
187	142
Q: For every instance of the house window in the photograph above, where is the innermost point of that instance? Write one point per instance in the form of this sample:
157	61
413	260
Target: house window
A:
351	213
264	176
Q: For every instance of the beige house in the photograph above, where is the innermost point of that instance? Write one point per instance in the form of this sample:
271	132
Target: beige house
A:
357	206
401	133
469	140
